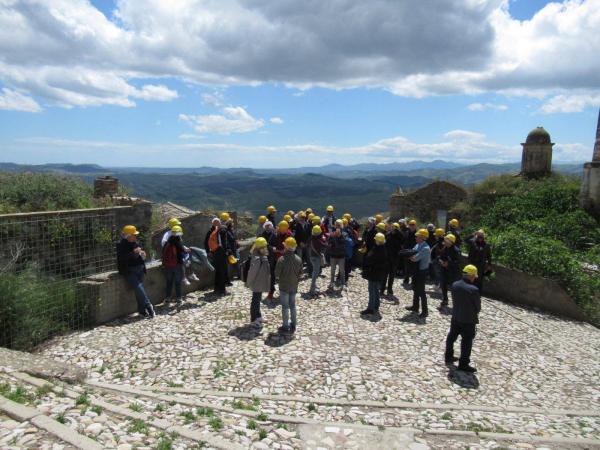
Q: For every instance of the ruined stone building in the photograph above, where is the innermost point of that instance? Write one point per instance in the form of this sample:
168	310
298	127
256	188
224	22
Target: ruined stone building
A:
536	160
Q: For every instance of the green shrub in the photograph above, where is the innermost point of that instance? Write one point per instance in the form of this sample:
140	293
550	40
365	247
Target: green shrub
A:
26	192
35	307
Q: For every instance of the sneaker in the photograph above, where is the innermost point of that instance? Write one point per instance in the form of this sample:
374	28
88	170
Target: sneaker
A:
193	277
179	301
467	369
366	312
410	308
229	283
283	330
293	327
451	360
423	315
151	313
186	282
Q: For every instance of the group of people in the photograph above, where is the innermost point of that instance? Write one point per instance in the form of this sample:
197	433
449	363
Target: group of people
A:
305	242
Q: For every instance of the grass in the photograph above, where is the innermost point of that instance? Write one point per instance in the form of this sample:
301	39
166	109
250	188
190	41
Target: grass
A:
205	412
97	409
188	416
219	370
174	385
60	418
138	426
262	417
447	416
312	407
238	404
262	433
251	425
43	390
159	407
479	428
136	407
216	423
18	394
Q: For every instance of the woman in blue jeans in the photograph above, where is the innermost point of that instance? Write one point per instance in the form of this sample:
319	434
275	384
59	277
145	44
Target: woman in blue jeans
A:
130	262
316	248
288	271
375	269
259	278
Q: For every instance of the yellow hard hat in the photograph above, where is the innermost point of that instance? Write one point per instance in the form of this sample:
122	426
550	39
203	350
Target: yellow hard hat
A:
453	222
412	222
378	218
302	215
345	221
423	233
262	219
177	229
330	208
287	218
439	232
310	216
451	238
309	210
396	225
290	242
380	238
130	229
290	213
470	270
283	225
316	230
173	221
339	222
224	216
271	209
232	260
260	242
347	216
316	220
381	226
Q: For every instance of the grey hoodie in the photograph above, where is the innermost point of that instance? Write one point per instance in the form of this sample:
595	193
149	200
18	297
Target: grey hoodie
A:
259	274
288	271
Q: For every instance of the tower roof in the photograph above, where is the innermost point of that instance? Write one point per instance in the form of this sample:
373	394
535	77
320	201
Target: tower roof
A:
538	136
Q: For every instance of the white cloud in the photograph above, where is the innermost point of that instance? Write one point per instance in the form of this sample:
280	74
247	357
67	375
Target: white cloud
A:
570	103
187	136
15	101
484	106
276	120
214	99
68	53
234	119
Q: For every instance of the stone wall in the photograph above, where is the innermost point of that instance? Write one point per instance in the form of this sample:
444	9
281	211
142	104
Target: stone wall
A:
425	202
194	227
590	188
110	297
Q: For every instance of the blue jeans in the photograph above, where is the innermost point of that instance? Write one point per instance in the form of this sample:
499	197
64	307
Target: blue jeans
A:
316	269
174	275
135	278
288	304
374	295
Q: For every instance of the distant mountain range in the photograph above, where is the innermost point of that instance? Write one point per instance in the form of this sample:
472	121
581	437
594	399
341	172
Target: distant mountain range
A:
361	189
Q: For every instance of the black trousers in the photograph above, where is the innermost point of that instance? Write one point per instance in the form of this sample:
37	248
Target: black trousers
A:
466	331
255	306
220	262
392	267
419	278
272	264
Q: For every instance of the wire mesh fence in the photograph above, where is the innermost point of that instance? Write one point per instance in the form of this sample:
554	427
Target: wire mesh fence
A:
42	258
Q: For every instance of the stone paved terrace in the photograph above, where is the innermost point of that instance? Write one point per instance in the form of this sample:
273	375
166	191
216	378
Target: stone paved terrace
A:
199	376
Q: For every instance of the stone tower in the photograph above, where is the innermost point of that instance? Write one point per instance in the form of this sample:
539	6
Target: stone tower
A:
590	186
537	154
106	186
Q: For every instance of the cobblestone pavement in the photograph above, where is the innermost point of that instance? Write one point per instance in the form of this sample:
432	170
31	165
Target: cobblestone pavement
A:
202	368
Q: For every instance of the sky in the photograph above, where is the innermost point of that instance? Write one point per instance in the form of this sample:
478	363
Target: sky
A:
273	84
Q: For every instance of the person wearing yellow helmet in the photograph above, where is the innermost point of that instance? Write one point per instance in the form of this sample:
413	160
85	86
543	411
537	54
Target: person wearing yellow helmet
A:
317	246
216	243
368	237
232	250
422	258
288	271
272	214
393	244
466	305
301	232
453	227
375	271
224	216
328	220
131	264
378	218
480	256
258	278
173	255
436	251
409	244
449	260
337	255
261	222
173	221
316	220
270	235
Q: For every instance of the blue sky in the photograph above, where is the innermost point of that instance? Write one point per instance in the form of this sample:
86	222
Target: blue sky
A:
283	85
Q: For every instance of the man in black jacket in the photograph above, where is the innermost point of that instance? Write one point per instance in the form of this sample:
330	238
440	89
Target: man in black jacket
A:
375	270
466	303
130	261
393	244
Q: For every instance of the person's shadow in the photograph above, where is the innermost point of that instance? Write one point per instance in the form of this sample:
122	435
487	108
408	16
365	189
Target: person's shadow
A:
279	339
463	379
392	299
246	332
413	318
